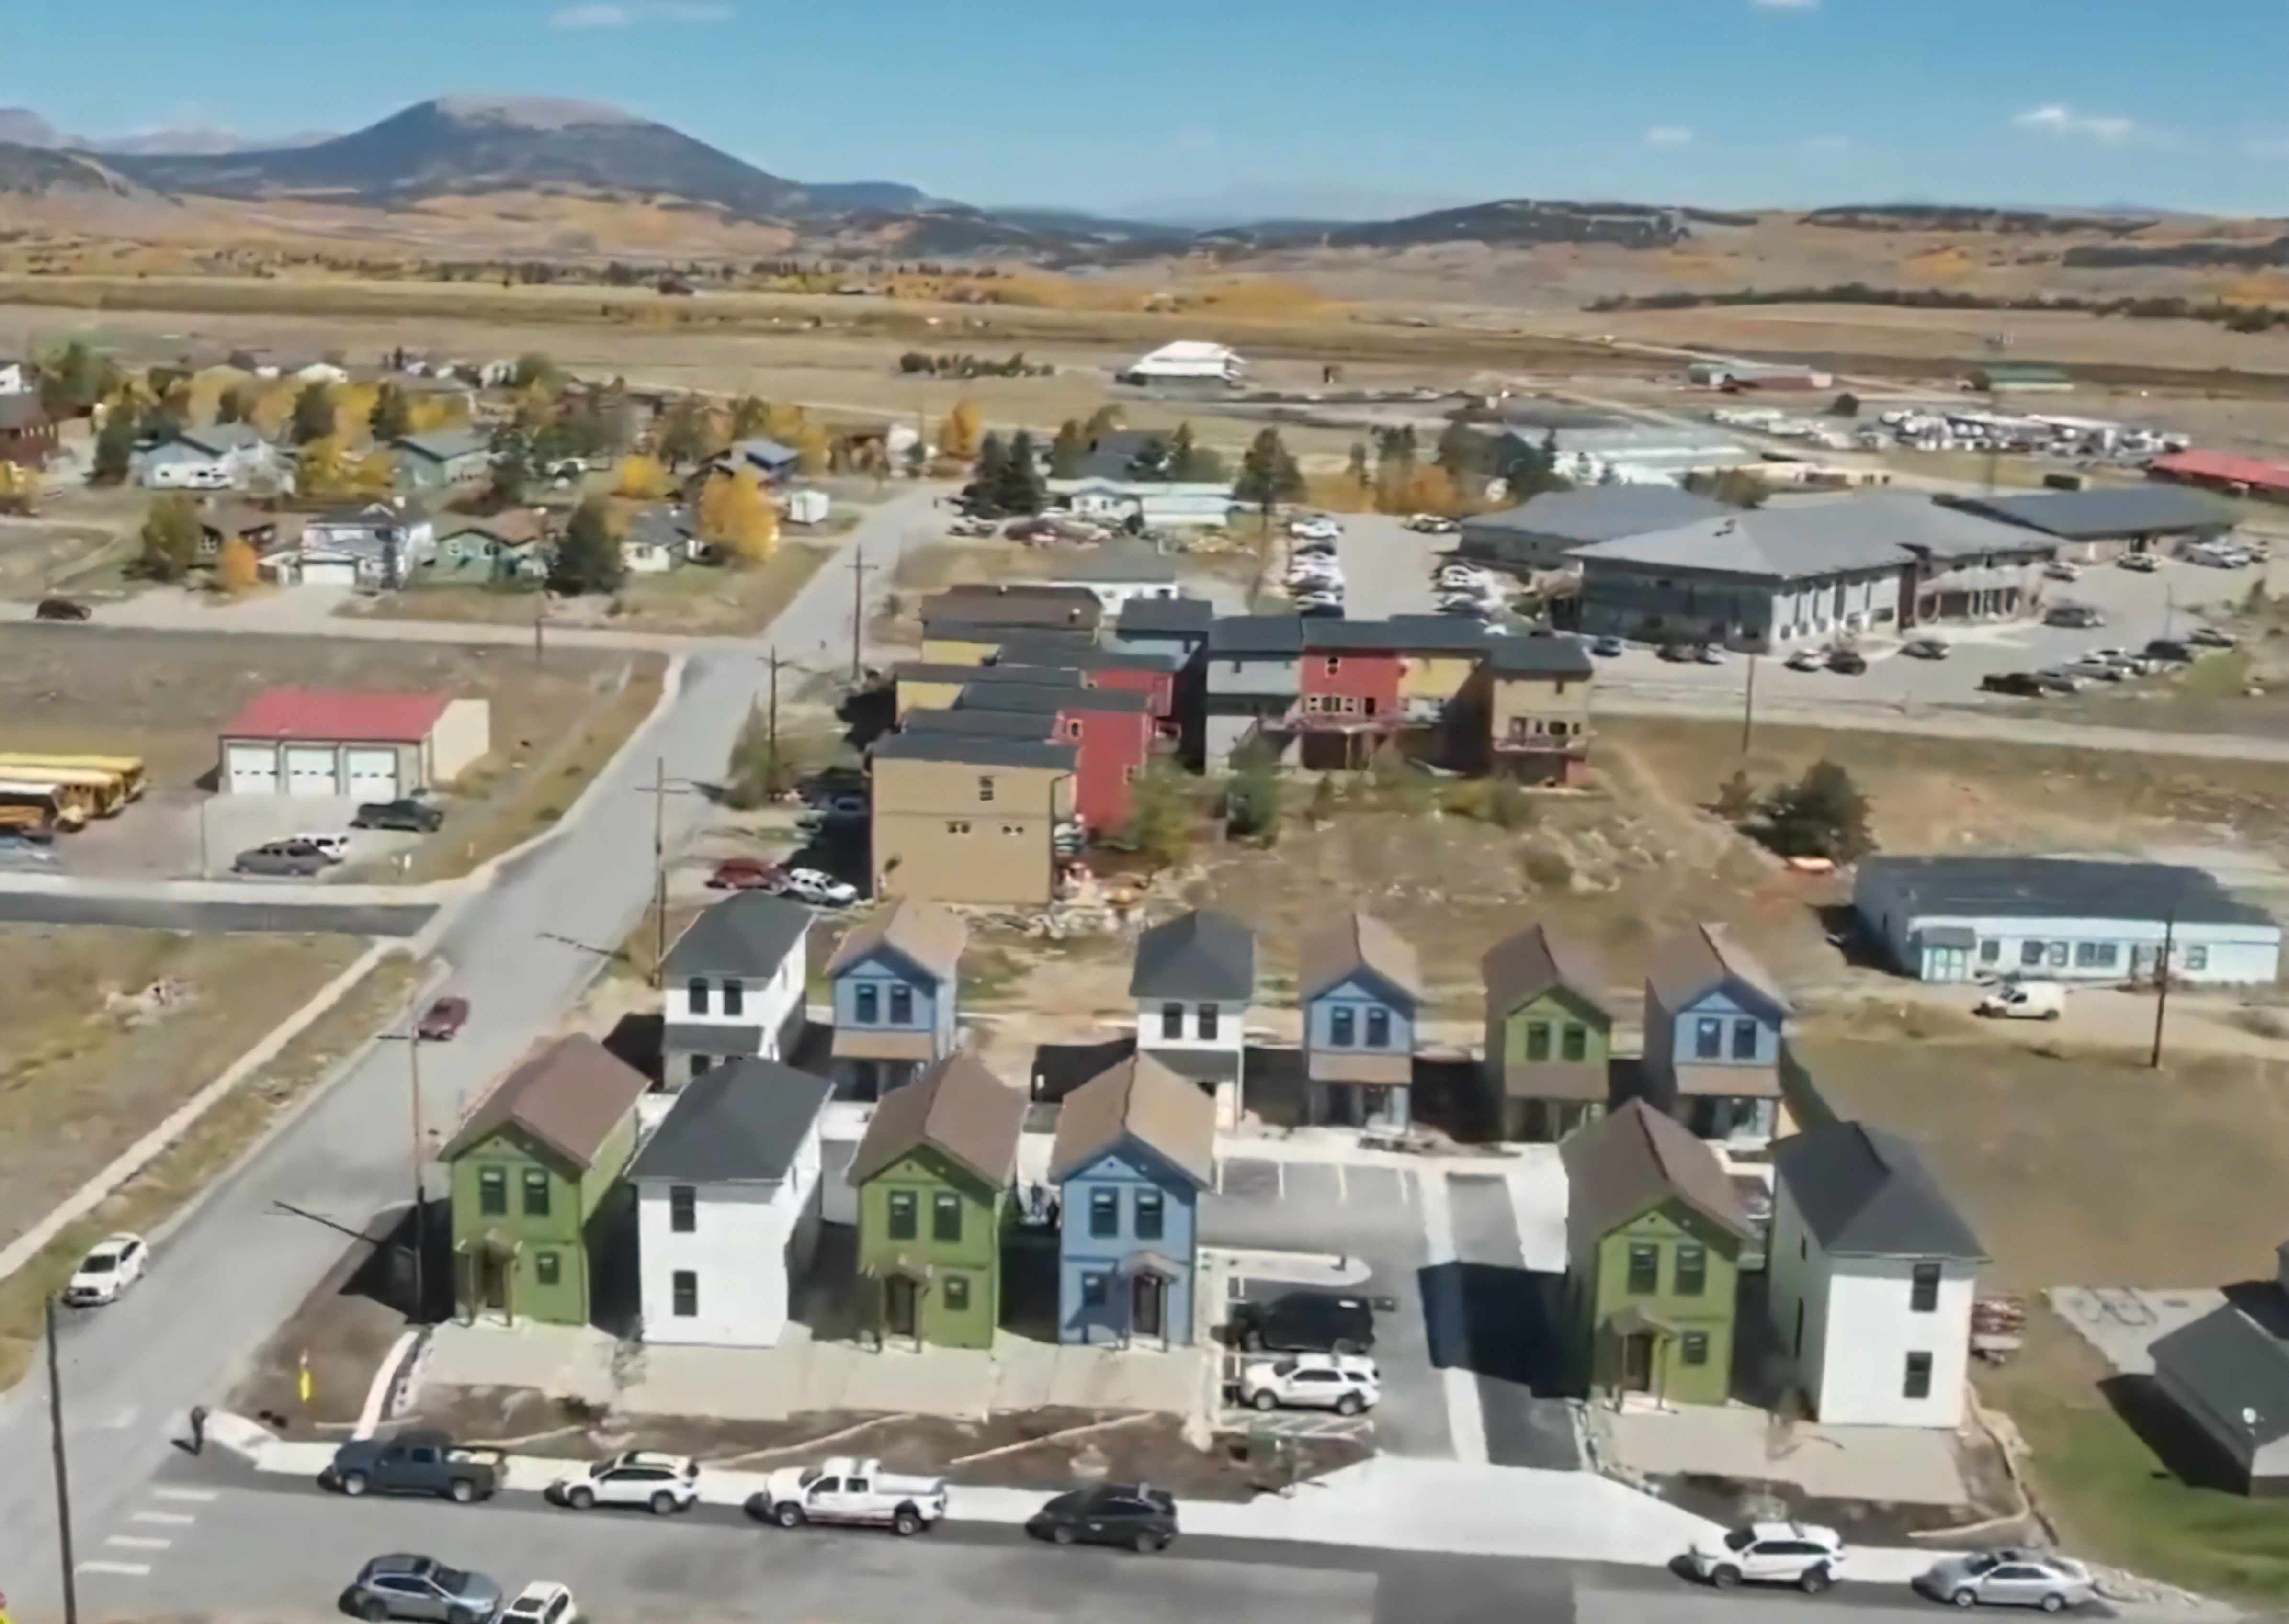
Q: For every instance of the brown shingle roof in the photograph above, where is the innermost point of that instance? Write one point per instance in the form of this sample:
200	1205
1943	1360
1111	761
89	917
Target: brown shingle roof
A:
1356	941
1520	969
930	934
957	1108
1145	1100
518	527
1694	963
568	1097
1635	1159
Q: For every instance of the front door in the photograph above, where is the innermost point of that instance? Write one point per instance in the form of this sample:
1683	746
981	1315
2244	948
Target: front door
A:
492	1283
1636	1362
1148	1298
901	1304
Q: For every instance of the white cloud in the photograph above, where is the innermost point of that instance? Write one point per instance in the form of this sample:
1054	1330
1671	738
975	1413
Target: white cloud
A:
1668	135
609	16
2065	122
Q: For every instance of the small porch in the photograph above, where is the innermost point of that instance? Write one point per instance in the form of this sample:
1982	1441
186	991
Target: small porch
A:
484	1279
869	1064
1343	1089
898	1303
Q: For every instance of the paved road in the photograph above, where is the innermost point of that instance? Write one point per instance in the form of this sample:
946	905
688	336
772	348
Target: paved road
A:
395	921
238	1267
1504	1327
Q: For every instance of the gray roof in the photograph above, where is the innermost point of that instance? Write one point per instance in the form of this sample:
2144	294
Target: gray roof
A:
770	453
21	410
1025	697
1026	724
1538	655
1397	633
444	444
2236	1359
1865	1192
1059	675
747	934
659	526
2106	512
930	671
1802	540
1115	561
1052	651
1149	615
1202	954
1603	513
735	1123
2057	887
1636	1158
1257	634
953	747
221	437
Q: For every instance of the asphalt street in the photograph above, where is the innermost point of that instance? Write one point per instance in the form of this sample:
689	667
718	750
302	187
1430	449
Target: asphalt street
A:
522	952
1502	1322
161	913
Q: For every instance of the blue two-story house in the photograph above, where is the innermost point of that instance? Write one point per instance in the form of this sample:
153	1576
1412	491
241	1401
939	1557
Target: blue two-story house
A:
895	983
1360	985
1134	1147
1715	1023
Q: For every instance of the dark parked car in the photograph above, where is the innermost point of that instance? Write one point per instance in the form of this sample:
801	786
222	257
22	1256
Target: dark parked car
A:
1304	1322
411	1463
1677	654
60	608
412	817
1135	1515
409	1587
2025	684
1847	662
443	1021
2170	648
294	859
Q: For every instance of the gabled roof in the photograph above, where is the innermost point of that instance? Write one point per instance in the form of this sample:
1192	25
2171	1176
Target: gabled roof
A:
1695	962
1201	955
1342	947
1004	670
513	527
1050	651
740	1123
770	453
1865	1192
928	935
1538	655
567	1098
956	749
1537	960
1036	725
1166	615
660	525
1025	697
957	1108
1397	635
2104	511
747	935
337	716
1603	513
444	444
2007	888
2235	1359
1143	1100
218	438
1236	634
1636	1158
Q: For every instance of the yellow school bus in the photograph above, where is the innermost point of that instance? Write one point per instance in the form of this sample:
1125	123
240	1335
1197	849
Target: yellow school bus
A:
128	770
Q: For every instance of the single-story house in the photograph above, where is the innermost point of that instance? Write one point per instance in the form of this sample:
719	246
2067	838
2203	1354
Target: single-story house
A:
231	521
442	460
659	538
291	741
1146	503
2228	1374
2105	522
224	455
507	545
2060	919
377	546
766	458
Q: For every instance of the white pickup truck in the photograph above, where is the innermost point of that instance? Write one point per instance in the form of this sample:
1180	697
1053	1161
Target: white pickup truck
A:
844	1490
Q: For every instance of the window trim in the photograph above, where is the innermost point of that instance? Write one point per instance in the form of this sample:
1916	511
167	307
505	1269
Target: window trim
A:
683	1209
1916	1376
683	1294
1923	1288
1105	1214
866	1005
903	1214
945	1204
1642	1270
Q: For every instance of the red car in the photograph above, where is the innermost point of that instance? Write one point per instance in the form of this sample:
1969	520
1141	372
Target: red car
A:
444	1020
745	874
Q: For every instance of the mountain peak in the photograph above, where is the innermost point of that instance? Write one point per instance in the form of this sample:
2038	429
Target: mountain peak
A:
530	112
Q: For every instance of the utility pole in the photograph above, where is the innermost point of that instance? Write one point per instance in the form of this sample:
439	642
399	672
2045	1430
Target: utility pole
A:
63	1475
660	789
859	568
540	619
1748	706
774	664
2162	980
411	1038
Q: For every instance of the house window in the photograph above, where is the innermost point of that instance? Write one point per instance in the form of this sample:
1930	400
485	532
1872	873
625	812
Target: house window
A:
682	1209
957	827
1013	829
700	1064
1537	1039
1207	1018
956	1288
696	995
1645	1268
1343	1026
985	790
1378	1028
535	1192
492	1193
685	1289
1073	727
1128	774
868	1005
1691	1274
946	1216
1092	1291
548	1269
1574	1045
2197	959
1709	1039
1152	1216
1918	1382
1172	1022
1922	1289
1104	1214
1990	950
1744	1039
1334	665
735	998
2058	955
1693	1348
903	1212
2030	955
902	1006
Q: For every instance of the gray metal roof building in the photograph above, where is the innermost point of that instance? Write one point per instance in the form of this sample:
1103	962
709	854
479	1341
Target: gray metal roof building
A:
1538	533
2107	513
1801	540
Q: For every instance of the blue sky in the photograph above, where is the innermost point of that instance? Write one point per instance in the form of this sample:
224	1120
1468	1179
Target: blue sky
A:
1245	107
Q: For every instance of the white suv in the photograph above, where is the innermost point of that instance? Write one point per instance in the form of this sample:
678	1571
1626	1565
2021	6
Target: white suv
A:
1343	1382
640	1477
1794	1554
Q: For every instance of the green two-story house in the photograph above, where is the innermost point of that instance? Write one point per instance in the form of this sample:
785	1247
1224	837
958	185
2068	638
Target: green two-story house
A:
1654	1232
1549	1035
536	1179
934	1174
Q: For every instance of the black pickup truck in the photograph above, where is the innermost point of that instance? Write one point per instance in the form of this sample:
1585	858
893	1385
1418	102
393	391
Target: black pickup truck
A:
412	1463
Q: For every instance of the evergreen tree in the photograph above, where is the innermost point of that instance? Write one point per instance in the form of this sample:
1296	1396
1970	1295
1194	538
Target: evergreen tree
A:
1069	450
158	423
314	414
171	539
115	447
1356	469
588	560
1190	462
392	416
234	405
1268	475
1018	488
984	491
1823	815
510	477
1462	454
75	379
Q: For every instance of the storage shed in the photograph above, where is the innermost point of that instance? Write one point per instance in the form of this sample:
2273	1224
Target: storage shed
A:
373	746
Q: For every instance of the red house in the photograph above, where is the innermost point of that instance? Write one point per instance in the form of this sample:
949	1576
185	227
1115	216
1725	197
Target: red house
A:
1153	675
1113	728
1347	692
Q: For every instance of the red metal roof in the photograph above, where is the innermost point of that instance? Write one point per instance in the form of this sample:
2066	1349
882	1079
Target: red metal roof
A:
2217	465
334	714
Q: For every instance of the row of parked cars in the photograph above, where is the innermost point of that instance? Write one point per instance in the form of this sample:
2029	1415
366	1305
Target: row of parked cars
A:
1315	578
1812	1558
2109	665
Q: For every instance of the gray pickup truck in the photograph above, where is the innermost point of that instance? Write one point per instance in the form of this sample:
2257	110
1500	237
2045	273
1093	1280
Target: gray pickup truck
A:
414	1463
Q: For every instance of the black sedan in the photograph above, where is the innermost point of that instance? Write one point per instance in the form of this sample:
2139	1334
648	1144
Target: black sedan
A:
1137	1515
408	815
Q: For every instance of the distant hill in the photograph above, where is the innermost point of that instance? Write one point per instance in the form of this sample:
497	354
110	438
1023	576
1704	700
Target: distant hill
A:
40	171
1513	222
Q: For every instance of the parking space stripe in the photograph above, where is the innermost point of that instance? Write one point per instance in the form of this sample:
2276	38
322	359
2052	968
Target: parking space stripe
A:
133	1570
176	1517
201	1495
137	1542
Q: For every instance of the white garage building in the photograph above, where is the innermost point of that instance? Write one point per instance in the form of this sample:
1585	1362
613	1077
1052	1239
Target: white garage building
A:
1187	361
291	741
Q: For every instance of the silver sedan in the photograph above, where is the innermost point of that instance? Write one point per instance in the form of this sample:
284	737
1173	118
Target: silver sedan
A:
2009	1579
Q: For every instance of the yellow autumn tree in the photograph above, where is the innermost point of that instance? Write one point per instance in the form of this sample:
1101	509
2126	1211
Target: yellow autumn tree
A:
736	513
236	569
641	479
430	412
815	448
963	429
783	422
373	474
1429	489
322	471
273	406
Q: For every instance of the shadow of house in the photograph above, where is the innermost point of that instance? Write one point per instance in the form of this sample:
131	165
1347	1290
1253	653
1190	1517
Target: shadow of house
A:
1029	1282
1060	1068
1450	1095
867	715
830	1299
636	1039
2183	1450
379	1268
1848	934
1499	1323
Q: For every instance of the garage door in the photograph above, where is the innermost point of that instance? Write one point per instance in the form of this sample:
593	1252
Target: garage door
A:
253	771
328	574
373	774
309	771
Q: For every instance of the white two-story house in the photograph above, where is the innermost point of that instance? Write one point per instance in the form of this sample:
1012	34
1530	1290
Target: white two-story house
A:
727	1204
1872	1273
1194	984
733	986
